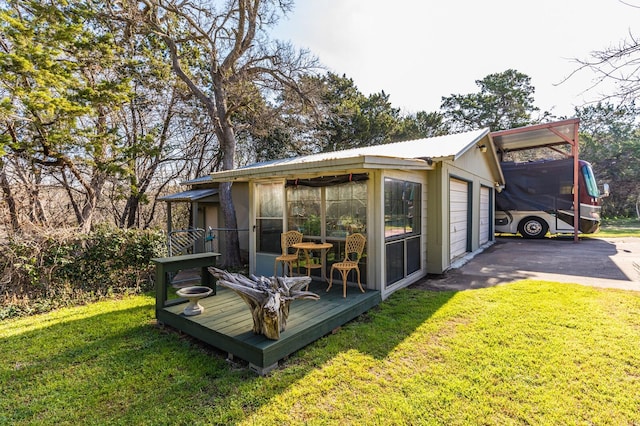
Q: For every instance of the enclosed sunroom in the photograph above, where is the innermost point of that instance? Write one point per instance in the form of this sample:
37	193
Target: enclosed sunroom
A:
421	204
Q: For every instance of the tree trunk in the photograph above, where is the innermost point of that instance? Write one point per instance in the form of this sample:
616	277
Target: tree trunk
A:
68	189
227	139
130	212
8	198
232	243
37	210
98	177
93	195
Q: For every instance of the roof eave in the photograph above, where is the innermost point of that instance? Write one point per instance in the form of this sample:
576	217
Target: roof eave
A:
473	143
483	139
190	195
496	161
325	166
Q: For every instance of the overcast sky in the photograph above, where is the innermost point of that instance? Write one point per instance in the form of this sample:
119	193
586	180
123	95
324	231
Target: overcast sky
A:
421	50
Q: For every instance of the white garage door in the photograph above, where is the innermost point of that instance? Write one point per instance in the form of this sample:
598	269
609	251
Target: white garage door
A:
485	214
458	217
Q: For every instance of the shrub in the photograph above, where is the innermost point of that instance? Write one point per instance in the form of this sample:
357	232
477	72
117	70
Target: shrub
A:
47	270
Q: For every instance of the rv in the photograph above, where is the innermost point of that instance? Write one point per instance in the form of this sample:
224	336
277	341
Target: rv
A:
538	198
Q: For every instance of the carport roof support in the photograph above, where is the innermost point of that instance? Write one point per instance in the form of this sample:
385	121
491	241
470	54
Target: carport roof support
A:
546	135
538	136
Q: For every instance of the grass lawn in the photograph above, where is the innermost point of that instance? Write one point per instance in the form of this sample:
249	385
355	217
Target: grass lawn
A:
525	353
619	227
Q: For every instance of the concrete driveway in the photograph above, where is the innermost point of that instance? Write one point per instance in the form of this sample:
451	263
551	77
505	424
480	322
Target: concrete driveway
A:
606	262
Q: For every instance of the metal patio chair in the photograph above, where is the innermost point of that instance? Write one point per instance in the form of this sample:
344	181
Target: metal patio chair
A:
289	254
353	249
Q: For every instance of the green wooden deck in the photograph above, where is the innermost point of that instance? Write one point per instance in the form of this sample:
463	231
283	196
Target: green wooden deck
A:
226	322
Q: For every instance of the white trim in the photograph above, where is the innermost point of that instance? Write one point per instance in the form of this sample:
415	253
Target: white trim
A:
414	177
324	166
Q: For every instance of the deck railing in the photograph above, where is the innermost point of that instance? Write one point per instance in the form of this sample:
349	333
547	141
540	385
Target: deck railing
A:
167	265
182	241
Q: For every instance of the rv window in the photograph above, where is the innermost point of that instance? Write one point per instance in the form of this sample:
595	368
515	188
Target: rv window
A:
590	180
566	188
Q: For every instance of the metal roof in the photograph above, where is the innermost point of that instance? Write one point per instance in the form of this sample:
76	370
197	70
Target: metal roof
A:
196	181
191	195
539	135
414	154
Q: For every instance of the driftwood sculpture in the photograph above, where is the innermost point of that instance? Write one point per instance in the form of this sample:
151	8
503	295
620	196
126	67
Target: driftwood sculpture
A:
268	298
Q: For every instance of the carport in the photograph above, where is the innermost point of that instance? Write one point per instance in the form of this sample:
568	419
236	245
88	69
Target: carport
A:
546	135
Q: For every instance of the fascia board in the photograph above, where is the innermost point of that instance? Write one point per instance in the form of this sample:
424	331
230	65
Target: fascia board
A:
342	165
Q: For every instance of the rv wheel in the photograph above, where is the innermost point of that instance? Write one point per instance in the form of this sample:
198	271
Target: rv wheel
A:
533	227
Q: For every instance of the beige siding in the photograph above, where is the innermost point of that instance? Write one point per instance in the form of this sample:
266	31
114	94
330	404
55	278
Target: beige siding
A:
211	221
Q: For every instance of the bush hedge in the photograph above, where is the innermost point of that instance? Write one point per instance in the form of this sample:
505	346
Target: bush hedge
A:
43	271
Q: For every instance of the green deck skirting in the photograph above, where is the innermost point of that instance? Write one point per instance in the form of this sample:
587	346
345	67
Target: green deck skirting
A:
226	322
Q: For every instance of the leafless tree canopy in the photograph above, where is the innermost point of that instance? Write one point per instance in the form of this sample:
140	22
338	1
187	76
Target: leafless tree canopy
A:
619	64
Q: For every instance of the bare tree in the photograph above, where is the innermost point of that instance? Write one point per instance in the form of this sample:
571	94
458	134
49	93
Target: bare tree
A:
224	56
146	128
619	64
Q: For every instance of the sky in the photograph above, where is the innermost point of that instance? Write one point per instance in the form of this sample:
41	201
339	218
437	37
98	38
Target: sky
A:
418	51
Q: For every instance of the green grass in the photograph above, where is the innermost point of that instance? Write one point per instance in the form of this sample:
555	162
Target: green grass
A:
530	352
619	227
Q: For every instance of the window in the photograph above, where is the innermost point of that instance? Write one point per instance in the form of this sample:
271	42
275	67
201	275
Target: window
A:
346	209
304	210
400	197
269	217
402	214
590	180
329	208
335	210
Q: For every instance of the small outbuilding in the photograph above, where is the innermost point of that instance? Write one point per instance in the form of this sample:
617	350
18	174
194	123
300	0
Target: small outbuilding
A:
423	205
